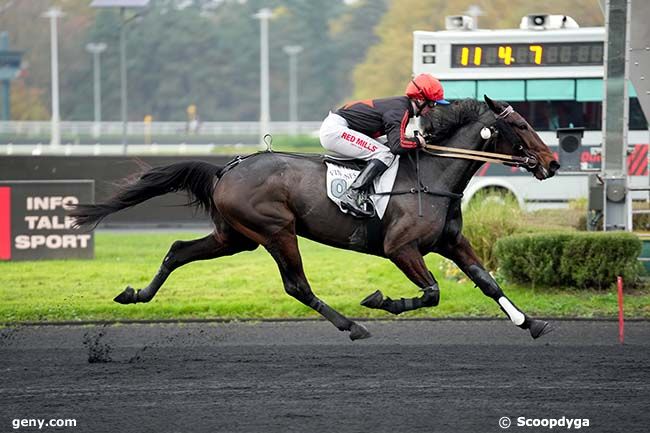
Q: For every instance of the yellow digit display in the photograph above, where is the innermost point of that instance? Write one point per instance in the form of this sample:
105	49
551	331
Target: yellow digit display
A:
531	54
464	56
465	53
537	49
477	56
505	53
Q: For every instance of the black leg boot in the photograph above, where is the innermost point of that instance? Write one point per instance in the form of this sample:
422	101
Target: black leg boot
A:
354	200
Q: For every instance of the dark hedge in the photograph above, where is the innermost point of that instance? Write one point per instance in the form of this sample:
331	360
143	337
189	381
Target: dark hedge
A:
562	259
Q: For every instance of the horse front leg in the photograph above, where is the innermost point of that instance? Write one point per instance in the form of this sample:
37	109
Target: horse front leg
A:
283	247
466	259
410	261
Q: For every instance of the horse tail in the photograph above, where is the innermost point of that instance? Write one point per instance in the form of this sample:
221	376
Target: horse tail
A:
194	177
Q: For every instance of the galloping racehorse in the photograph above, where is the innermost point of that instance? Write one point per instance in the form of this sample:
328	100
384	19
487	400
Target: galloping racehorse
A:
270	198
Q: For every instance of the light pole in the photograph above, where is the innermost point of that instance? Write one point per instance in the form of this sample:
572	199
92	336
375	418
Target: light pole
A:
123	5
53	14
10	69
96	49
293	51
474	11
123	92
264	15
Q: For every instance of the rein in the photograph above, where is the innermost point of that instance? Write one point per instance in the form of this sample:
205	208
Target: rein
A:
528	161
478	155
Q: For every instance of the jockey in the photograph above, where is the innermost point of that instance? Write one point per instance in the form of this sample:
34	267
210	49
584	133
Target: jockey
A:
351	131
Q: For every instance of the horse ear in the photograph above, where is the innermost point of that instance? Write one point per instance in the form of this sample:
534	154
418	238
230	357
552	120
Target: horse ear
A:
490	104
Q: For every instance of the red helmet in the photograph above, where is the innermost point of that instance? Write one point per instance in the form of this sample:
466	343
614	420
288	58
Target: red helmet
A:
427	87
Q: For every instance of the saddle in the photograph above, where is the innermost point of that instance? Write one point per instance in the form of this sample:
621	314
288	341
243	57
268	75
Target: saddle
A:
351	163
342	172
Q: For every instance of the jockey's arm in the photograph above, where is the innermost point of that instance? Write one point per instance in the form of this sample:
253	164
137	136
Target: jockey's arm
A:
395	122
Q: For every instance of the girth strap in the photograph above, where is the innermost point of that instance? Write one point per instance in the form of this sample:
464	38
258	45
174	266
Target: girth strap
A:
424	189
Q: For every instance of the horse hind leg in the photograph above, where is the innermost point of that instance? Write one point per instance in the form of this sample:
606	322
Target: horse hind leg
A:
183	252
283	247
411	263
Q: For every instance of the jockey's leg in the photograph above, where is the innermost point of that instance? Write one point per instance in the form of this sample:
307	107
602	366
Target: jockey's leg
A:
410	261
337	137
354	198
283	246
183	252
464	256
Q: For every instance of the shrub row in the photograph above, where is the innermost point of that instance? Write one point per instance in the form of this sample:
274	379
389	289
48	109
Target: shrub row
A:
584	260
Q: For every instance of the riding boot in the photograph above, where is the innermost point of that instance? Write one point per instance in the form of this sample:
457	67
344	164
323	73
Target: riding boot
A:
354	200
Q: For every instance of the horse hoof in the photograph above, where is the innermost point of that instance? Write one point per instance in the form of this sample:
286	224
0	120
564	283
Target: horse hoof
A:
126	297
358	332
431	297
373	300
538	328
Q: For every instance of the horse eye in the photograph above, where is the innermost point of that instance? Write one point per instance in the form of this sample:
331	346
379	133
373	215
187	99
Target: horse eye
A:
522	126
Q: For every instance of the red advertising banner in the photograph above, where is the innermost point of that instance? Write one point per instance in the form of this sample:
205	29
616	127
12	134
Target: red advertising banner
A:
5	223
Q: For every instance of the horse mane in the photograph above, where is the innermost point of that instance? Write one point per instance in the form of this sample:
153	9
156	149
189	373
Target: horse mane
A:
443	121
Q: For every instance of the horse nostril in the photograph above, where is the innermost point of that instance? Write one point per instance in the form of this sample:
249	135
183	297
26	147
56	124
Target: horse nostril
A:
554	166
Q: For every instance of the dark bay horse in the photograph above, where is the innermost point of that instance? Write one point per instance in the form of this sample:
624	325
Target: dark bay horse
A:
271	198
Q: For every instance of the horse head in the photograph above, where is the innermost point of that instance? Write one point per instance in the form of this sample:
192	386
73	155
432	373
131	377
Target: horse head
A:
494	132
512	134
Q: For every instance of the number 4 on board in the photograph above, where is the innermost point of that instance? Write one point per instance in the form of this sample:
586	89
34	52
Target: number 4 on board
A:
505	53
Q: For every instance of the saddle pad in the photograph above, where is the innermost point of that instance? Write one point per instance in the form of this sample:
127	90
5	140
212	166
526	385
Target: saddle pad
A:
339	178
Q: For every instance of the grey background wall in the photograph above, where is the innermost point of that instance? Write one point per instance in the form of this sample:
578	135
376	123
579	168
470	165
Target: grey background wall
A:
108	171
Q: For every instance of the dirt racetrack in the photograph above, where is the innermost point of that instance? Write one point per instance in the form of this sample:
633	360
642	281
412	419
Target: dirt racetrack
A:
305	376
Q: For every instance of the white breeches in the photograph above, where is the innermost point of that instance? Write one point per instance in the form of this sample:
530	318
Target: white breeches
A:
336	137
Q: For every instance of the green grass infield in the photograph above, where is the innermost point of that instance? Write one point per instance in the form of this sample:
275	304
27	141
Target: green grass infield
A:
248	286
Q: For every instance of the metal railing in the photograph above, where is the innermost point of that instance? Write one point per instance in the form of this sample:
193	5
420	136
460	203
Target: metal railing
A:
78	138
35	129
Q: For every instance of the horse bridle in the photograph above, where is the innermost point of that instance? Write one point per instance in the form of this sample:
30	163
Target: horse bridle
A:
498	126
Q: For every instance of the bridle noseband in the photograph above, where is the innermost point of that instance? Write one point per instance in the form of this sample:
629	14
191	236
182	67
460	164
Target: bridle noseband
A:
529	161
498	126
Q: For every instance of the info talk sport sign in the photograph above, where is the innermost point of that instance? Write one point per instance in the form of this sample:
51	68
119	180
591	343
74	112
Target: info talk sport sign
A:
34	224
